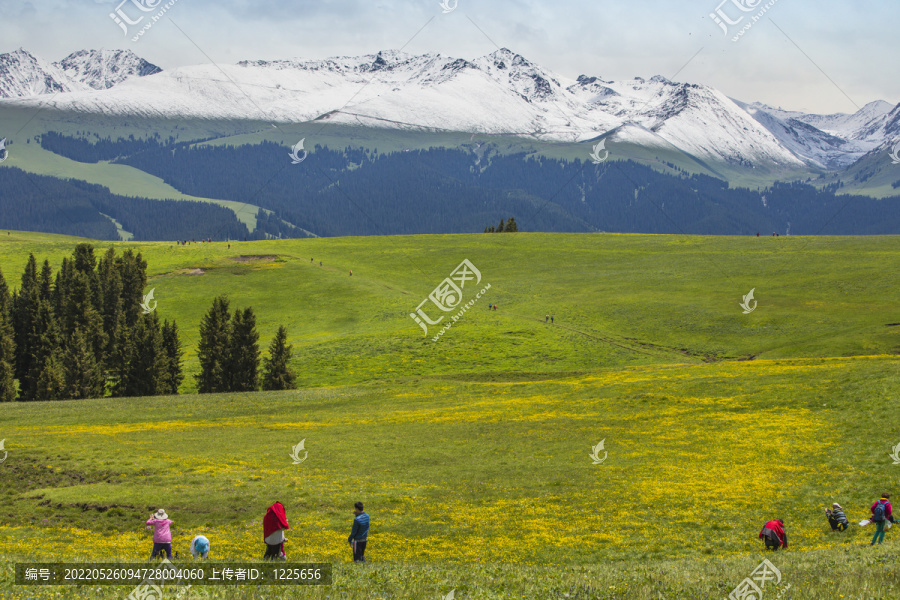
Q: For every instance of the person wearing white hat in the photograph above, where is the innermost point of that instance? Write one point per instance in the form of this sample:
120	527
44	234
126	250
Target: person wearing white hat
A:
162	535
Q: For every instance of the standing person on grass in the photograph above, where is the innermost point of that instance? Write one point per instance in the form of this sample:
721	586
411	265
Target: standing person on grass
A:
359	533
774	535
881	514
274	525
162	535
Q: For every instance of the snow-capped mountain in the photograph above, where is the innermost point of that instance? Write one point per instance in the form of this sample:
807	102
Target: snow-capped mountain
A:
829	141
24	75
103	69
501	94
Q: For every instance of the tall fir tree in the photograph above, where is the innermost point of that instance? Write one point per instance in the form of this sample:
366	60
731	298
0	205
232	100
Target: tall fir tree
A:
213	348
82	372
25	310
174	352
133	269
277	375
242	358
7	345
146	366
110	279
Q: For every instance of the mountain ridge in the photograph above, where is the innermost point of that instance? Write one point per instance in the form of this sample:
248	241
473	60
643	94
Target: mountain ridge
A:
501	93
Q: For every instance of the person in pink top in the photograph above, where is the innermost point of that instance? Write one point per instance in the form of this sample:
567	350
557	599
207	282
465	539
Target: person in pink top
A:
162	536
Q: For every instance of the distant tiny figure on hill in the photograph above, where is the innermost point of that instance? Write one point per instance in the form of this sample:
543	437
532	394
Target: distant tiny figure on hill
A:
881	514
351	272
359	533
774	535
551	319
162	535
275	523
200	547
546	318
836	517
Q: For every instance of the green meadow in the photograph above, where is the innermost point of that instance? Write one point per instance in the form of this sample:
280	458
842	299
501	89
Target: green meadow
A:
471	452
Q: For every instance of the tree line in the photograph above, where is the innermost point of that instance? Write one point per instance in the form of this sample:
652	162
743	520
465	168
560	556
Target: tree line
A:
229	353
81	333
504	227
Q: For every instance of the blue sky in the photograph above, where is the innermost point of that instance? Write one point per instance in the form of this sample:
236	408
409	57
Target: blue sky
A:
815	56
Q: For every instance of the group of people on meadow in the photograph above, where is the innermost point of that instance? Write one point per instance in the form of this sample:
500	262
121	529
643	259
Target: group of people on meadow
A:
275	523
882	515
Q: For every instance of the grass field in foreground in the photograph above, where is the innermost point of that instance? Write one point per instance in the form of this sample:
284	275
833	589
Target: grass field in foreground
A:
474	473
472	453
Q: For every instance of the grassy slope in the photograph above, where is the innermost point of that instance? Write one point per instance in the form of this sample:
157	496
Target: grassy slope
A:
473	450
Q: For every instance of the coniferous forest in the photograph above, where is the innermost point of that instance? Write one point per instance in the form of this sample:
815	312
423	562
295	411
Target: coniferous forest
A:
438	190
81	332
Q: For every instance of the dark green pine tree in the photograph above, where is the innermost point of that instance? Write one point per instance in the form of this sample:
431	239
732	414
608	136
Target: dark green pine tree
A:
172	347
82	373
213	348
133	270
501	227
7	345
511	225
110	279
46	354
25	310
277	375
147	368
50	382
242	357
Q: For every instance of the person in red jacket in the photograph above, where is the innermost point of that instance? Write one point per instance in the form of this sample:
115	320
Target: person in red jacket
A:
881	513
774	535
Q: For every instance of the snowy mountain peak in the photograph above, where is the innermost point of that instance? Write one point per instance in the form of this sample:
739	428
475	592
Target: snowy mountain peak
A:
103	69
501	93
22	74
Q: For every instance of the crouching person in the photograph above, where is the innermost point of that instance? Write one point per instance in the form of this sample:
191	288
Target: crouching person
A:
774	535
836	517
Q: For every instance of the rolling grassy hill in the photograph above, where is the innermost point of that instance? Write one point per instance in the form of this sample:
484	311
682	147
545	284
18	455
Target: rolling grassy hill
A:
471	452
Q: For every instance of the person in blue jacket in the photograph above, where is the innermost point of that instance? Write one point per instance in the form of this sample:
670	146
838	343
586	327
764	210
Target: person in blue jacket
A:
359	533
